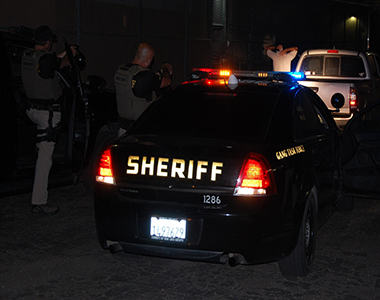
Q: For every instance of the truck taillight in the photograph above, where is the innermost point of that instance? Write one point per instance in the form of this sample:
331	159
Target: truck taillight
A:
353	99
105	173
256	177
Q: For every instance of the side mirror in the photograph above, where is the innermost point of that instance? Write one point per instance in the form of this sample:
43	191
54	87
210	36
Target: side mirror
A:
96	84
337	101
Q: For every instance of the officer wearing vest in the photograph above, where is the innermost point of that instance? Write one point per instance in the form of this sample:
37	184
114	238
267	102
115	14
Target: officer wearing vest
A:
137	86
43	92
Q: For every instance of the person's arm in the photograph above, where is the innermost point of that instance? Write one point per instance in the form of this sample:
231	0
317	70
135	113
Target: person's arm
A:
166	75
144	83
287	50
65	59
269	51
48	64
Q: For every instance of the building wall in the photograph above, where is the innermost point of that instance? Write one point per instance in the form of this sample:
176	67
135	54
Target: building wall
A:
182	31
109	31
305	24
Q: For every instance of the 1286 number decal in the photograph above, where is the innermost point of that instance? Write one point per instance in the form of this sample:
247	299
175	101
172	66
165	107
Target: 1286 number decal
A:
211	199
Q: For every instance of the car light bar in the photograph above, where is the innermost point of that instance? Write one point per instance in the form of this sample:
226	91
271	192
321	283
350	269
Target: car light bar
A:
279	76
213	73
243	76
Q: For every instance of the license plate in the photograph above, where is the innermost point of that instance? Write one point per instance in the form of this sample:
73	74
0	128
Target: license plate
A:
167	229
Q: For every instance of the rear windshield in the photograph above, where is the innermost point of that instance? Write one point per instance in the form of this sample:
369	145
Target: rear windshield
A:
345	66
212	115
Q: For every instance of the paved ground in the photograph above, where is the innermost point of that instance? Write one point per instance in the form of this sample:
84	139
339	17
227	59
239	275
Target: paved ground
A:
58	257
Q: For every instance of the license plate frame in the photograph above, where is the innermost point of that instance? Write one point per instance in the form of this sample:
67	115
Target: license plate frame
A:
168	229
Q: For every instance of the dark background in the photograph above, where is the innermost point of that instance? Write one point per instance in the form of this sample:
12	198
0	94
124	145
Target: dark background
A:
197	33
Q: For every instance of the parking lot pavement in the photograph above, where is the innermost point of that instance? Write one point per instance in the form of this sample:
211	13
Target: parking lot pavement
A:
58	257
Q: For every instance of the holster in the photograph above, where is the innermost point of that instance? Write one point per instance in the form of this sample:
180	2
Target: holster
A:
50	134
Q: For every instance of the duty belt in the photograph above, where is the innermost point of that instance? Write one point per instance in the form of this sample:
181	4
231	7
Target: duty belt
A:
43	104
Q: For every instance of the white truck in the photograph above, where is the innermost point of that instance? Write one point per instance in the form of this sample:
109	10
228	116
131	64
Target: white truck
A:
345	79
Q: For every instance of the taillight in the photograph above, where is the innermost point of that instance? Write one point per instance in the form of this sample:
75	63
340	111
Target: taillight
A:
256	177
105	173
353	99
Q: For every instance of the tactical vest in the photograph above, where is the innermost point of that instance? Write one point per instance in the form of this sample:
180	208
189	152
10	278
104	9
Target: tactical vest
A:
128	105
35	86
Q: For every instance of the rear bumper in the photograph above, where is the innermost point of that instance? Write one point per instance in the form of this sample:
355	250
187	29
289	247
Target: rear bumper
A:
213	236
176	253
341	121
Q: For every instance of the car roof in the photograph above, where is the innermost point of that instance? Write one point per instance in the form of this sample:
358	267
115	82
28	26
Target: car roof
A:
333	52
268	87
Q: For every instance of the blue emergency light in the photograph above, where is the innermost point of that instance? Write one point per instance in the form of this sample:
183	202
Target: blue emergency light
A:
297	75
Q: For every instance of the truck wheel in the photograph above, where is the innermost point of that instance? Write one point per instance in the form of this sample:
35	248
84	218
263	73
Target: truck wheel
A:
300	261
106	133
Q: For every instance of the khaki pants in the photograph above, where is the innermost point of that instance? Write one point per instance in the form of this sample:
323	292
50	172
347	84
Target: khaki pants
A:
45	154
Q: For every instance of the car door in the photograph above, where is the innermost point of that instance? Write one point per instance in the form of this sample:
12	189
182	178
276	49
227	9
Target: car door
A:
316	129
373	62
360	154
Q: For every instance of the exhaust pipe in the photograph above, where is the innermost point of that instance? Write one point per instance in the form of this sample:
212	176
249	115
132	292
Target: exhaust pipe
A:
115	248
235	259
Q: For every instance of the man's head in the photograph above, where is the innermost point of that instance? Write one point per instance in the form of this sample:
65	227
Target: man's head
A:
280	47
144	55
43	36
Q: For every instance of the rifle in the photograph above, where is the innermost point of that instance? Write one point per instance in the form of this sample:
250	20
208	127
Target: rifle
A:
76	72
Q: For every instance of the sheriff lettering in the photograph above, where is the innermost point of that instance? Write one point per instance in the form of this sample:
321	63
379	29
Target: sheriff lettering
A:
173	167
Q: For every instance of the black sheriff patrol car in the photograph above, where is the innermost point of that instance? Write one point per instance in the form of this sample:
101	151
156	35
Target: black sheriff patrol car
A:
86	107
244	170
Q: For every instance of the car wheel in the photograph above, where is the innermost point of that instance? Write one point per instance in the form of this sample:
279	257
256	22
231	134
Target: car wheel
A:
300	261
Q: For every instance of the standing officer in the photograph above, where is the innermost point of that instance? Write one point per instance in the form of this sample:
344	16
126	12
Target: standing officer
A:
137	86
43	92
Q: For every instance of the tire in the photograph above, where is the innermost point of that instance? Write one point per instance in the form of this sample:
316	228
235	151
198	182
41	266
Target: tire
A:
106	133
300	261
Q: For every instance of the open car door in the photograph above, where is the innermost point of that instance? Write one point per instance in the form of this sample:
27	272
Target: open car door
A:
360	154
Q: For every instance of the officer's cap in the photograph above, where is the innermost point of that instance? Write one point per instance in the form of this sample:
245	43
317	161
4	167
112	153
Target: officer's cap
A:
43	34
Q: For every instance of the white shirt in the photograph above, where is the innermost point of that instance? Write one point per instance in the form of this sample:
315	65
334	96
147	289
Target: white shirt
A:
282	63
